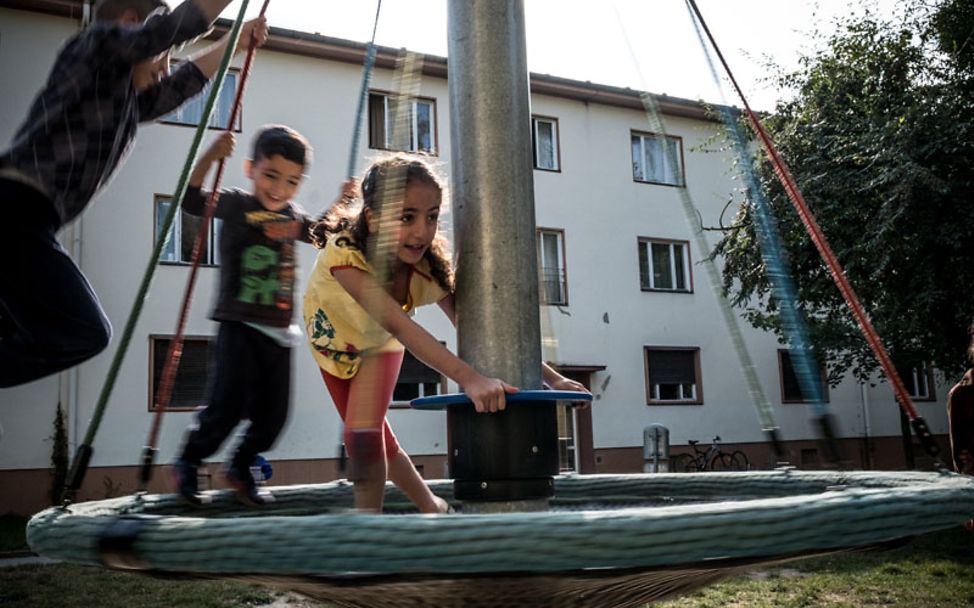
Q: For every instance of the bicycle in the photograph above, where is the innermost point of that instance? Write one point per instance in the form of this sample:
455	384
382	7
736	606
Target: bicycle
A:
711	459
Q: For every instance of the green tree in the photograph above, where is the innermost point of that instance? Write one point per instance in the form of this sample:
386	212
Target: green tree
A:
880	138
59	456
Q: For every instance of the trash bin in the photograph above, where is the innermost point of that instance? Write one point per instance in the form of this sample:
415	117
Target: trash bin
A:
656	449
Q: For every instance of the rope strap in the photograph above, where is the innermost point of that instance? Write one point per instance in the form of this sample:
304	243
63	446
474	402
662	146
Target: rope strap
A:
821	243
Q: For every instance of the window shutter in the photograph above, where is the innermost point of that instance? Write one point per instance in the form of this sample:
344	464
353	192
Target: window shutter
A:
192	375
672	367
789	379
415	371
377	124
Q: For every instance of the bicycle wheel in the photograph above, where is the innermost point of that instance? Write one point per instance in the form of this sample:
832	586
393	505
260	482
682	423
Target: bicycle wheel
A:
725	461
683	463
741	458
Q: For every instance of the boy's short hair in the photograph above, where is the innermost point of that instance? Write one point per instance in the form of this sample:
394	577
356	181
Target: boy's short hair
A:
284	141
111	10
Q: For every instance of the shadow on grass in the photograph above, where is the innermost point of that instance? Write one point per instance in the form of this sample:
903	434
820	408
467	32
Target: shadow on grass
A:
12	531
74	586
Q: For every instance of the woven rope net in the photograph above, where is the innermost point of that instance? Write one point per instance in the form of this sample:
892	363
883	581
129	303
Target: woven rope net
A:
624	539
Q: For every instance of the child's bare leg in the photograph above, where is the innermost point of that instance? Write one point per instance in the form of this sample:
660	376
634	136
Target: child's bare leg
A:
369	492
365	426
366	467
407	478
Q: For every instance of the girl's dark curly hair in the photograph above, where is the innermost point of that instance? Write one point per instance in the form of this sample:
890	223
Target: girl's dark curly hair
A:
394	172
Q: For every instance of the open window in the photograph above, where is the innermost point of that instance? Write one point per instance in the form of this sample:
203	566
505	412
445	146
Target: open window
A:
191	112
544	140
178	248
404	125
657	159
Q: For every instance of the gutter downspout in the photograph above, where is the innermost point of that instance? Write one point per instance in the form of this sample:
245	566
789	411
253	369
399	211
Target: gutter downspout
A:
866	427
69	381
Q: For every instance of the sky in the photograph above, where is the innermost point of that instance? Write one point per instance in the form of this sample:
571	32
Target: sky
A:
649	45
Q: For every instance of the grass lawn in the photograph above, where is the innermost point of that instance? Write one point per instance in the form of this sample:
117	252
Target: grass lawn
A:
932	571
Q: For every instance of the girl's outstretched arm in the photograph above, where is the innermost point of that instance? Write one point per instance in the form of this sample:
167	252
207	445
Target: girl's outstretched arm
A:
552	378
486	393
557	382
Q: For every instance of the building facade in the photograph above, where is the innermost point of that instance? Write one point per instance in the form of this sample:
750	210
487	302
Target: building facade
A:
627	307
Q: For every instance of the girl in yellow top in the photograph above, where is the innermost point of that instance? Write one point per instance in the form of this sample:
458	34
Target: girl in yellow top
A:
379	262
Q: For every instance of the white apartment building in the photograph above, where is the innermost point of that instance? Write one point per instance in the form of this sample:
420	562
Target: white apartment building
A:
627	308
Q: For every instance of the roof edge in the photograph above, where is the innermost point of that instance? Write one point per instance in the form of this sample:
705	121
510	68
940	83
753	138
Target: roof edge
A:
348	51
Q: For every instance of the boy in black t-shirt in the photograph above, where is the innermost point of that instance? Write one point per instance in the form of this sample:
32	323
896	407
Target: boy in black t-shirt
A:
254	306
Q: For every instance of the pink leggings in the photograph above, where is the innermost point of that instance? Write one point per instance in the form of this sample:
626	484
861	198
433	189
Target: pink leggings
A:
362	402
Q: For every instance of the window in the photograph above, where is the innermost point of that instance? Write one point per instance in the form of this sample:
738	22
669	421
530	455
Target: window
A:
408	125
551	263
809	457
189	389
664	265
566	439
544	138
657	159
919	382
178	248
416	379
190	112
791	383
673	375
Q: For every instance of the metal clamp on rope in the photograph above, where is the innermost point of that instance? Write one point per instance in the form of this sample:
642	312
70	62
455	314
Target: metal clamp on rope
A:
78	469
828	439
926	437
774	437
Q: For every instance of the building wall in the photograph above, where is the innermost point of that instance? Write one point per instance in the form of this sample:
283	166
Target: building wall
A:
608	322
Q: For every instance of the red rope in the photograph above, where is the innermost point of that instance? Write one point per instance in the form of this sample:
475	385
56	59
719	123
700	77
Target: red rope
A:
164	395
818	237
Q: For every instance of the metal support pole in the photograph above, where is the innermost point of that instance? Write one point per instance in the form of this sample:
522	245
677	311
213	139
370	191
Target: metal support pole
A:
494	228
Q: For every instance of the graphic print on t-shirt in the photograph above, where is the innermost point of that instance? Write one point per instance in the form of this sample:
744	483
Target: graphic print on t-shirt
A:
266	274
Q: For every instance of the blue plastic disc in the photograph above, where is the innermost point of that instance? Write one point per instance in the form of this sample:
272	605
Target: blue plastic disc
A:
441	402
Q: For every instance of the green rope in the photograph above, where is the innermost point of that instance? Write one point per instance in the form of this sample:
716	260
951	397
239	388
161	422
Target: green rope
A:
80	463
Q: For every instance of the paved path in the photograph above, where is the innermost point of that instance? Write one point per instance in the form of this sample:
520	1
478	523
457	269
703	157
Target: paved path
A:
24	559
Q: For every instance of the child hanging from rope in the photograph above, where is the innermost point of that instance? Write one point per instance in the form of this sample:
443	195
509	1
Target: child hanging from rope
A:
960	417
960	422
254	306
379	262
106	80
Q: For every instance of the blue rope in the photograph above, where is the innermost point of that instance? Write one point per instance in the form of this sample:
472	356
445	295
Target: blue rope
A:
363	96
773	254
762	405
